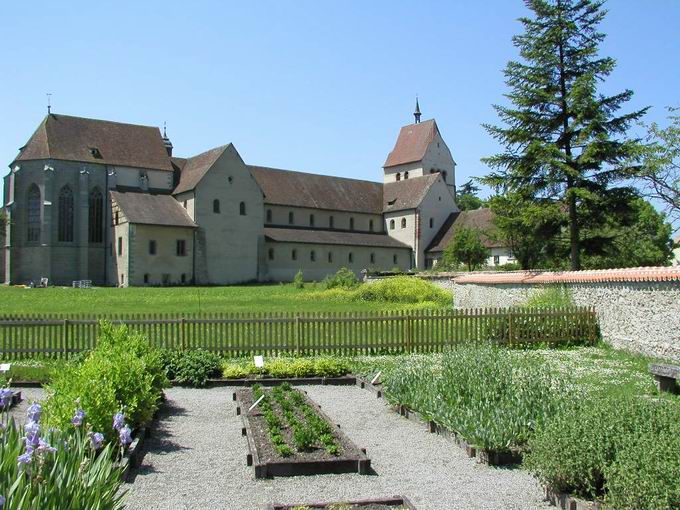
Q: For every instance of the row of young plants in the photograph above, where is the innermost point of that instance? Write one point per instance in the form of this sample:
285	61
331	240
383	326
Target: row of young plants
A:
67	453
620	449
308	430
279	368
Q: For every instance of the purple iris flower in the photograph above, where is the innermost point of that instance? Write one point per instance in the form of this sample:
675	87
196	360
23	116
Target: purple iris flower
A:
118	421
43	446
2	501
78	418
125	435
33	412
5	397
96	440
27	457
32	431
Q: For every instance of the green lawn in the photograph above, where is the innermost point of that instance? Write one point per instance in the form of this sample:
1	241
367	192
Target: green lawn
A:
243	298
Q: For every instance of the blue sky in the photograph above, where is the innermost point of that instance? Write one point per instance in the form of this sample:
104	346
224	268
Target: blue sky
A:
315	86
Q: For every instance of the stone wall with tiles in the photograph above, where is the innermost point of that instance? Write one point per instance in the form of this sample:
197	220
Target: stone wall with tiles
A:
638	309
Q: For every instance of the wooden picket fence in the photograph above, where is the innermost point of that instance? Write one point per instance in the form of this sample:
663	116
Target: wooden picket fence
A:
349	333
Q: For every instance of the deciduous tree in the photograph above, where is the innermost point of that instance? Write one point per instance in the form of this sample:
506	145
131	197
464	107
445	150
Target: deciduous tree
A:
467	248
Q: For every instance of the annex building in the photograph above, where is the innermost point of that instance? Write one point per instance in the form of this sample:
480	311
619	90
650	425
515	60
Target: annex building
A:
109	202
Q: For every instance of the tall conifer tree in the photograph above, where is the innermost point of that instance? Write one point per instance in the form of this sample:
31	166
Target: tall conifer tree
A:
563	140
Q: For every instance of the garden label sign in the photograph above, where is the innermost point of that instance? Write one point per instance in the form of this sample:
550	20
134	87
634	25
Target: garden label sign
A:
259	361
375	379
255	404
4	367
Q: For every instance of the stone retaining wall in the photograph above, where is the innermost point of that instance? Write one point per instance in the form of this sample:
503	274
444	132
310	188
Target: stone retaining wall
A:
638	309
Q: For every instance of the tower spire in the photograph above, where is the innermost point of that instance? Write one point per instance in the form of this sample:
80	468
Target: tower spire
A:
49	103
416	114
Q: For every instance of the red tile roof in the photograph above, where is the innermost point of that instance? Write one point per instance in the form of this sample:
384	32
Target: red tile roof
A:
69	138
408	193
300	189
632	274
412	143
481	219
193	169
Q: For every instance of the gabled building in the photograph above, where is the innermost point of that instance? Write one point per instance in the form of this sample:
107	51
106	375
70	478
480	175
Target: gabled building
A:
109	202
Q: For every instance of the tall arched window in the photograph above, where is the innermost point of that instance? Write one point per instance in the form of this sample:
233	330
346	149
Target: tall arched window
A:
96	216
312	256
330	222
291	218
372	258
370	225
350	257
242	208
311	220
403	223
65	226
33	213
216	206
269	215
431	222
351	223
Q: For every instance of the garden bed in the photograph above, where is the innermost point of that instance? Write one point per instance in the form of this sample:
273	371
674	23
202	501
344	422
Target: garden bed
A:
568	502
289	435
393	503
483	455
345	380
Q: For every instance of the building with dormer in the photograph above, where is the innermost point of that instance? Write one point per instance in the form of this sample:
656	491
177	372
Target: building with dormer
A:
109	202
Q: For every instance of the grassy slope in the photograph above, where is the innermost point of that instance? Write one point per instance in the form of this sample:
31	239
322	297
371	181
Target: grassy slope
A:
246	298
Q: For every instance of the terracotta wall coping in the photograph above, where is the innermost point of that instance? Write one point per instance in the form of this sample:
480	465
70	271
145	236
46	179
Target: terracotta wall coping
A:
633	274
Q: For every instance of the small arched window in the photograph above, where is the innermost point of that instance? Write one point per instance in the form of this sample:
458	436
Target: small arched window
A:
394	259
291	218
403	223
312	255
96	216
271	254
311	220
33	210
242	208
330	257
351	223
216	206
372	258
444	174
398	176
269	215
405	175
65	224
391	224
293	254
330	222
431	222
370	225
350	257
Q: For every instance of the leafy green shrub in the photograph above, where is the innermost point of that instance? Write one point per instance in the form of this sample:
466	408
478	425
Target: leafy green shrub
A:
624	449
192	367
324	366
298	281
493	397
344	278
404	289
123	372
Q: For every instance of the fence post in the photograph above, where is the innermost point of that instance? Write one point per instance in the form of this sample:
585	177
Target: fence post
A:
409	331
510	326
64	336
181	333
298	334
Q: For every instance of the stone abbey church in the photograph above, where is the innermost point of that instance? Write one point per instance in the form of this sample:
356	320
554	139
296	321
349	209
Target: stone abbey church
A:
109	202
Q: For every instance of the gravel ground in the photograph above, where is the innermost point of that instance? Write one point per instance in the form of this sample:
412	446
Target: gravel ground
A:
28	395
197	459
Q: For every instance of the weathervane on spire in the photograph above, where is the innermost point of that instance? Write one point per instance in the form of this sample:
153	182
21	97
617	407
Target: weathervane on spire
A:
416	114
49	106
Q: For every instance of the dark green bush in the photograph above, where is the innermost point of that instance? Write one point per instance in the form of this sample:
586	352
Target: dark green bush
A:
123	373
622	449
192	367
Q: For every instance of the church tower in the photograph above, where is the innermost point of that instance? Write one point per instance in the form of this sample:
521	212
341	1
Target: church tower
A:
420	150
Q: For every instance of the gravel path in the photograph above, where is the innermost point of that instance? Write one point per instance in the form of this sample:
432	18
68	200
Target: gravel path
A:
28	395
196	459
